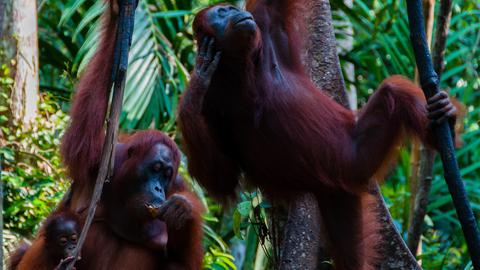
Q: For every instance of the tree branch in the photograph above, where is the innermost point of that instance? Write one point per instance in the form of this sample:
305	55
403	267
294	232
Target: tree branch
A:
119	70
427	156
393	250
429	81
420	202
441	33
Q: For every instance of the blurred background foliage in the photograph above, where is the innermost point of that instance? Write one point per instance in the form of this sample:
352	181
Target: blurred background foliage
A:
374	41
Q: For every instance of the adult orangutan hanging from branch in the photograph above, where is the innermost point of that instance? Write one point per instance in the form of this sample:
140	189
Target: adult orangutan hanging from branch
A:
251	109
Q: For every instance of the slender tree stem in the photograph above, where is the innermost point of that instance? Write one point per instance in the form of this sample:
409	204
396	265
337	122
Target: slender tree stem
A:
427	155
119	70
429	82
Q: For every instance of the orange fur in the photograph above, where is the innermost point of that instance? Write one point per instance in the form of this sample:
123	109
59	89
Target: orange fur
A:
261	117
371	237
35	256
81	150
16	256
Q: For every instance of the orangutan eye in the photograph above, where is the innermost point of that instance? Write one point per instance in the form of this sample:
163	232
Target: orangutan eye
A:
157	167
222	11
63	241
73	238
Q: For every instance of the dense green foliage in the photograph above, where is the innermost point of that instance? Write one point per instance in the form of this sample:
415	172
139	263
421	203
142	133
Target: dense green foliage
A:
377	45
35	178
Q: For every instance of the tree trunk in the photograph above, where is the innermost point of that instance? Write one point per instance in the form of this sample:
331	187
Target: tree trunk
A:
24	94
320	57
302	244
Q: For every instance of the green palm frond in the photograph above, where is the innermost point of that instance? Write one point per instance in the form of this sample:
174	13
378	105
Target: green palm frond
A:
160	57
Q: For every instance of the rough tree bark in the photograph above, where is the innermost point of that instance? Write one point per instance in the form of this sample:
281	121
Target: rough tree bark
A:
321	58
24	95
427	156
302	245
